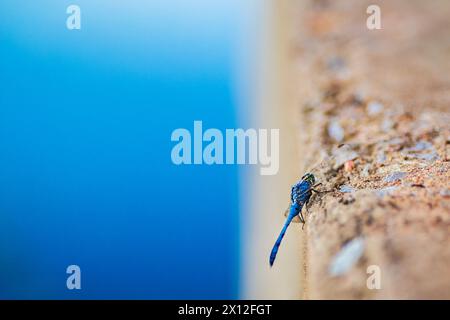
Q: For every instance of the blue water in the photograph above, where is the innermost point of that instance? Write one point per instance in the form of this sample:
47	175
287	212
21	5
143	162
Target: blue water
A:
86	176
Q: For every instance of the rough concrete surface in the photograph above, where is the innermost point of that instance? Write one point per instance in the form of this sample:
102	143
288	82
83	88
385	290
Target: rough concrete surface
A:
374	126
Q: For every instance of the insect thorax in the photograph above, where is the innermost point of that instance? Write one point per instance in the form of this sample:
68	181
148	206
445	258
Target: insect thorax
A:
301	192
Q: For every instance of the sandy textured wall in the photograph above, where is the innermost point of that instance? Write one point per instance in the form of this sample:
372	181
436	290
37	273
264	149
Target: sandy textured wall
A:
378	102
385	95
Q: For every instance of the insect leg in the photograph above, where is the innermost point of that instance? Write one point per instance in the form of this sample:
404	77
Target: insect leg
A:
317	191
302	219
317	184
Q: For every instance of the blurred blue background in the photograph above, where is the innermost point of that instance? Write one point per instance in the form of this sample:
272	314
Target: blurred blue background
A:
86	176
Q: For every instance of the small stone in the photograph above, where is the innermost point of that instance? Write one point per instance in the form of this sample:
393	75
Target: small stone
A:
385	191
374	108
336	64
420	146
381	157
347	257
342	155
396	141
445	193
349	165
335	131
398	175
426	156
387	125
347	189
366	170
417	151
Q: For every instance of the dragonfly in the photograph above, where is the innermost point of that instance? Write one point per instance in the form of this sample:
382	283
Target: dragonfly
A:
301	192
300	195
